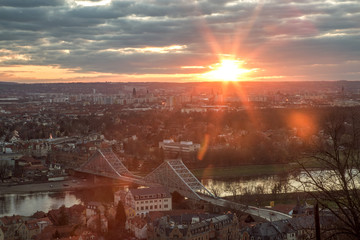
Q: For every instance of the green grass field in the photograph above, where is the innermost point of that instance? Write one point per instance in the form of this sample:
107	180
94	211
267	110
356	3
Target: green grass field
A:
238	171
251	170
247	170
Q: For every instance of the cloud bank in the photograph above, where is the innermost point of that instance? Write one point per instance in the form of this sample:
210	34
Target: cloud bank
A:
121	39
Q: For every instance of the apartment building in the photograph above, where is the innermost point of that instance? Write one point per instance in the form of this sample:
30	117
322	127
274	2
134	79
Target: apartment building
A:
139	202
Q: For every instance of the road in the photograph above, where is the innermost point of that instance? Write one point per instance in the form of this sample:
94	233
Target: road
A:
67	185
267	214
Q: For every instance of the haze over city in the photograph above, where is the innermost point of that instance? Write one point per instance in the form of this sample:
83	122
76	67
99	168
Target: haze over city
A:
178	41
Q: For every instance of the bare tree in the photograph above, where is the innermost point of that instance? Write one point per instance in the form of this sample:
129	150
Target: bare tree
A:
215	190
4	168
335	183
233	189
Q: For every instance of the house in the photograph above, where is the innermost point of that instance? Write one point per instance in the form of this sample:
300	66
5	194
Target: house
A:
11	225
144	200
31	228
301	210
289	229
270	230
30	168
138	226
94	208
88	235
75	215
2	233
98	223
28	230
62	231
195	226
95	217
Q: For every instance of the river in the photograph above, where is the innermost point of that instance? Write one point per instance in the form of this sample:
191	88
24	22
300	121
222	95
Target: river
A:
26	204
253	185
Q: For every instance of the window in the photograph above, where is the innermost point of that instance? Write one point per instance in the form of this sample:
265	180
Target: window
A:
166	206
159	206
165	200
147	207
146	201
142	208
155	206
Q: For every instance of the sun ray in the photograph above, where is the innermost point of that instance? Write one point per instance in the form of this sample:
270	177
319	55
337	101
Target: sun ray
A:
241	34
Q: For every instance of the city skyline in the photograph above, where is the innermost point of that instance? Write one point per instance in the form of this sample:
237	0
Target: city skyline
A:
241	40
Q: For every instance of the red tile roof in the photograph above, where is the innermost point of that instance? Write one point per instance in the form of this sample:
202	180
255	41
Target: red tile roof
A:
9	220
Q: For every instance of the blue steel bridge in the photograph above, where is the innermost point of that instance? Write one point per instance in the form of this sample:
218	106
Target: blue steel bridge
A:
172	174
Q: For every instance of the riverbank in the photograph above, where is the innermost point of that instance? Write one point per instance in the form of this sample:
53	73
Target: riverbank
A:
253	170
59	186
242	171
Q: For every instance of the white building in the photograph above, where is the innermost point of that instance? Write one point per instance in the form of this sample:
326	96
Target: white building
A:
139	202
182	146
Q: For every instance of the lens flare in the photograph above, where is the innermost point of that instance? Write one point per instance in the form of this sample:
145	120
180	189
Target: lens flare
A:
204	147
304	124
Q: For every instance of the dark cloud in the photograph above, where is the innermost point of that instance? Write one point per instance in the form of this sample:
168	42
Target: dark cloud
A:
30	3
302	33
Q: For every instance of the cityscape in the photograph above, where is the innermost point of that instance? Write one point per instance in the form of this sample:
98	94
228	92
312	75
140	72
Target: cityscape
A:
179	120
182	157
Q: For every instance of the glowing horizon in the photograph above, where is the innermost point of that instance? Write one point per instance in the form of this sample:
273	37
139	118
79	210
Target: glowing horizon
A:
227	70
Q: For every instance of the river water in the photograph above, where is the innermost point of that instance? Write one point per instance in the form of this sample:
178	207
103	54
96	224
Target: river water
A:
253	185
27	204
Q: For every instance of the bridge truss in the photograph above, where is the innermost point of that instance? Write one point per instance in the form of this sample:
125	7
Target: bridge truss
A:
174	175
105	163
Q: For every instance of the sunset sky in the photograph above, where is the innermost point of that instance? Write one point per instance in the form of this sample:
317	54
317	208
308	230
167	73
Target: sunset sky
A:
179	40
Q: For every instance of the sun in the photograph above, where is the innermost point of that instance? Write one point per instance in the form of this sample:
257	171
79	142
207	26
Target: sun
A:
227	70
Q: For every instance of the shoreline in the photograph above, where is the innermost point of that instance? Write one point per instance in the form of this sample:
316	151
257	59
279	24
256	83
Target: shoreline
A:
58	186
233	172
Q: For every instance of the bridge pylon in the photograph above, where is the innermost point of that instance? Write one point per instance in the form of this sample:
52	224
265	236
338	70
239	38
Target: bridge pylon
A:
176	176
105	163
